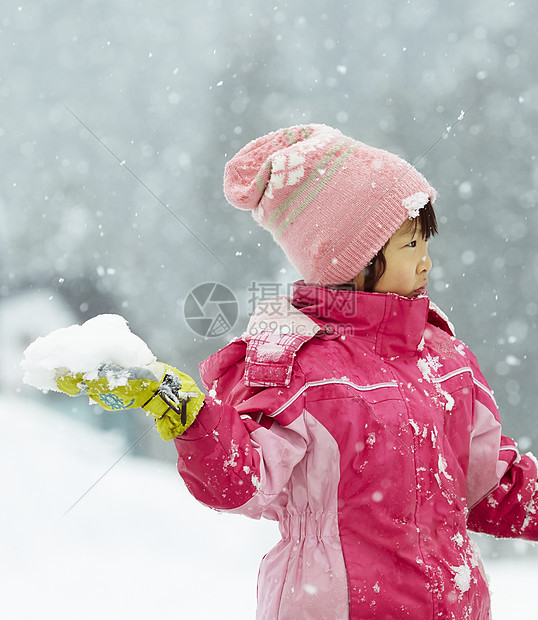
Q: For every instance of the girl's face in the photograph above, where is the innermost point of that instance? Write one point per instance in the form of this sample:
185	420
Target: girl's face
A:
407	263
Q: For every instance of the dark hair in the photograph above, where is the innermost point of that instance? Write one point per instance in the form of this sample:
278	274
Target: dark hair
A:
376	267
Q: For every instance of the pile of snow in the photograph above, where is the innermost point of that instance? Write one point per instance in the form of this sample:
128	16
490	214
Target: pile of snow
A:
415	203
83	349
137	546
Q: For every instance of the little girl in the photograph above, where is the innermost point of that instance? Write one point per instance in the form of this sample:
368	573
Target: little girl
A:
349	413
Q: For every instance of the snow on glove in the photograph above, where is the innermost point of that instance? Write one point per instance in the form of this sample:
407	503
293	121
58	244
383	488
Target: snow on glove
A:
169	395
103	359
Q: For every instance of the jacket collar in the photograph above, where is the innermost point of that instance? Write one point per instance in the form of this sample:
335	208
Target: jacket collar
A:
393	325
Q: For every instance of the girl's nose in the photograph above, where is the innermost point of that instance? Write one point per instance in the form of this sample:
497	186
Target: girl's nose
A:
424	264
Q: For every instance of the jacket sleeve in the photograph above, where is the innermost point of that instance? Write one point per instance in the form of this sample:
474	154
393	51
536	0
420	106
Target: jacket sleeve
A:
240	452
502	485
510	510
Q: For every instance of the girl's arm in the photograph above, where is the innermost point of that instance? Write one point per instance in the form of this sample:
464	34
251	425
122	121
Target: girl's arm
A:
234	451
502	485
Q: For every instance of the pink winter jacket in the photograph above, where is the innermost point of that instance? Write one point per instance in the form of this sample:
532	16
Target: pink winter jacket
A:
359	423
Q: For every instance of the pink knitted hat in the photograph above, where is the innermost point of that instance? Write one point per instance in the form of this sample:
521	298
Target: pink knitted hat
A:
330	202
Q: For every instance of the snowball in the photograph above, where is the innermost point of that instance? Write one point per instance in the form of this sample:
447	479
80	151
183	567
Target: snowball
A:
414	204
103	339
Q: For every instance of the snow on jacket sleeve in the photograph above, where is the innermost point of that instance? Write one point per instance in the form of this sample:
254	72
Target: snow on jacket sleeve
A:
502	485
235	451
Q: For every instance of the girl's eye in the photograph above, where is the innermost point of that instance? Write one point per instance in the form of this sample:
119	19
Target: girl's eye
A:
413	244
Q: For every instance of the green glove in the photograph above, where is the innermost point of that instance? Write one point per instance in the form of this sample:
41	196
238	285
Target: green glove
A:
169	395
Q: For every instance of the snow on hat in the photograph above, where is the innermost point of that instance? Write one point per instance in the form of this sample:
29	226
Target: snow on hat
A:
331	202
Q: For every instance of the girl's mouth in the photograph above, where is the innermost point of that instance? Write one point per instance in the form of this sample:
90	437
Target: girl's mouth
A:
419	291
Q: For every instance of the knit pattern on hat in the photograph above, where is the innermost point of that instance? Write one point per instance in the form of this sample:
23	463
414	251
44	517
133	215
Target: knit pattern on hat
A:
331	202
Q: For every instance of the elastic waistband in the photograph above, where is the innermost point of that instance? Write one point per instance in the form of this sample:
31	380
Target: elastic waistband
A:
309	525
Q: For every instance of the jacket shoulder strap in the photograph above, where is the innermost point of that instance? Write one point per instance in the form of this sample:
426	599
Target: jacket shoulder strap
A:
274	335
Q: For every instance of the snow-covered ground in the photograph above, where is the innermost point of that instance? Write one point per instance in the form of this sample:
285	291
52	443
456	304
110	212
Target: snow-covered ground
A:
137	545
